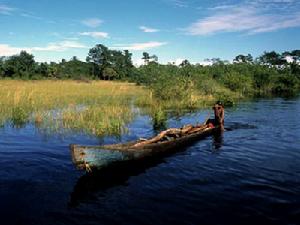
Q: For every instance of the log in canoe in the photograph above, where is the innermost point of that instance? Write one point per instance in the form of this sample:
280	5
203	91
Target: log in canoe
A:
90	157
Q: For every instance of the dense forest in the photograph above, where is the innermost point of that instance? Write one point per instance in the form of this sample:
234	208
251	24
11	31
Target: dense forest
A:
271	73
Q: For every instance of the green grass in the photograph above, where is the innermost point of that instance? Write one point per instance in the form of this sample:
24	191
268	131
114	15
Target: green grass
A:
98	108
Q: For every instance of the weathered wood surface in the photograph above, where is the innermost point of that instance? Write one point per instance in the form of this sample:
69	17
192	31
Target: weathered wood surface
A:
88	157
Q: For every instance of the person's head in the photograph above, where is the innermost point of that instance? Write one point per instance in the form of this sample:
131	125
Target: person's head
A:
219	112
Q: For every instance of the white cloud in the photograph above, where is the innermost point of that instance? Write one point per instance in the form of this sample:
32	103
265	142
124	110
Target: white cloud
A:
28	15
148	29
7	50
92	22
250	17
17	12
95	34
60	46
141	46
138	62
6	10
178	3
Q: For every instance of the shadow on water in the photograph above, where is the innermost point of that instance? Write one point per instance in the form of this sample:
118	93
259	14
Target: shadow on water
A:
237	126
106	178
118	174
218	137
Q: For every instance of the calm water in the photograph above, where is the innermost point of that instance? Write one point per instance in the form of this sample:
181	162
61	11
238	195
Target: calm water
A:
250	175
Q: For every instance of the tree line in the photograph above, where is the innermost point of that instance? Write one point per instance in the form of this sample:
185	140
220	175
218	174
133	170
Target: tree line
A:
101	63
270	73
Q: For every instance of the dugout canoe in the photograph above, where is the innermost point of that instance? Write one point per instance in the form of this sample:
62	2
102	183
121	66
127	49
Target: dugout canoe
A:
91	157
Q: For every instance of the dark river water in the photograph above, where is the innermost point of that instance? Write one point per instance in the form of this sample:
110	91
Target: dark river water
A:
250	175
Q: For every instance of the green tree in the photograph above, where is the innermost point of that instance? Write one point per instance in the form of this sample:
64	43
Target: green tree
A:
271	58
43	69
53	70
120	62
74	69
185	63
154	58
287	85
26	61
109	73
243	59
21	65
128	65
237	82
74	58
2	69
262	78
99	57
146	58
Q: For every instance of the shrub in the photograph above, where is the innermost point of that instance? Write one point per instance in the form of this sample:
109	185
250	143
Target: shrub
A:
19	116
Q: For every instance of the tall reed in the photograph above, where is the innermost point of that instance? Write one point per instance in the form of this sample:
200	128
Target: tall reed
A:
98	107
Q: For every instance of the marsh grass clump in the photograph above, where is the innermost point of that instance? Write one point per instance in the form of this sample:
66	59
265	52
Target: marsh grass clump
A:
19	116
98	120
159	118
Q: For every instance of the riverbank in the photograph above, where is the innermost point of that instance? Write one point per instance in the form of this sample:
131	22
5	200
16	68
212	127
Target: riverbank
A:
95	107
103	107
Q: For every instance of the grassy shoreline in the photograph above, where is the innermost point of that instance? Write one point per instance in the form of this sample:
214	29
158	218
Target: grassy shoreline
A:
95	107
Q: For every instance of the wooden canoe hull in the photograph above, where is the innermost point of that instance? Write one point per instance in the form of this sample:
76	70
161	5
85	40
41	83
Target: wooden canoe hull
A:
89	157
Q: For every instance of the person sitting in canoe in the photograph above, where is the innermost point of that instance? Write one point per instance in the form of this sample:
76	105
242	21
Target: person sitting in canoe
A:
173	133
219	116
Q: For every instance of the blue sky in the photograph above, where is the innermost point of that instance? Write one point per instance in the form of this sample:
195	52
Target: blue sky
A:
171	29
